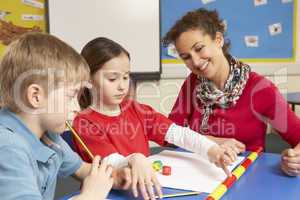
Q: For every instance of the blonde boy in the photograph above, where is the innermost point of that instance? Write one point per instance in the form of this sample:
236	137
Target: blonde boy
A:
39	76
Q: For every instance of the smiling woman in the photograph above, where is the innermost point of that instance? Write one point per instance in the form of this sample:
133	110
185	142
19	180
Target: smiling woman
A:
224	89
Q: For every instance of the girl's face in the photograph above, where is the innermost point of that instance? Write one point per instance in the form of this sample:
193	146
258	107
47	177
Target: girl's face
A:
201	54
112	81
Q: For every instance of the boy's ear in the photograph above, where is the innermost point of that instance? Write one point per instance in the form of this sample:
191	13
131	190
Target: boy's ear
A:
36	96
219	39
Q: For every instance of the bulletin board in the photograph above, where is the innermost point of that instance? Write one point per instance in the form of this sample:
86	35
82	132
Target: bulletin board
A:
259	30
21	16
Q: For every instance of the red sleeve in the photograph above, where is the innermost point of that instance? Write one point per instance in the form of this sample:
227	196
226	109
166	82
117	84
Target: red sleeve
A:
268	102
185	102
156	124
95	139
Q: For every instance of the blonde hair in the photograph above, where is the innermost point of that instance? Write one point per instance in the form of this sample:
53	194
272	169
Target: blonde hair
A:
36	58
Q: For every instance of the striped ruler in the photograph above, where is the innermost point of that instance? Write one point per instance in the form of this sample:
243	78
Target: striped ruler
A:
236	174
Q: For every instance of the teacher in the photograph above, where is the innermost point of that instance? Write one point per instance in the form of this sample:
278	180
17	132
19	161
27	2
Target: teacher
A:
222	98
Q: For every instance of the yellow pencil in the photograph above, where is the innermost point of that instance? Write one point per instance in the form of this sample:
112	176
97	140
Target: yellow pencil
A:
178	194
79	140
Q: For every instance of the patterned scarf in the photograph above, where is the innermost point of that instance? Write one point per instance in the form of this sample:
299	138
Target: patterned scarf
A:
210	95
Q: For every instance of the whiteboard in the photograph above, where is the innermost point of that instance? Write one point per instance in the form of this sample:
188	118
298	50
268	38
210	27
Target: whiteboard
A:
132	23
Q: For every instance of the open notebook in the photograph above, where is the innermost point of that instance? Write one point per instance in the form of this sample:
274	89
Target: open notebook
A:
190	171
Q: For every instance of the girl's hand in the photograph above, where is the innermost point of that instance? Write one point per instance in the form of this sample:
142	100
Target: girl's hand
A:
144	177
233	145
221	158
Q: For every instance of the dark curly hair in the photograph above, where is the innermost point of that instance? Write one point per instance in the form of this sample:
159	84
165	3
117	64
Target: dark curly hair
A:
202	19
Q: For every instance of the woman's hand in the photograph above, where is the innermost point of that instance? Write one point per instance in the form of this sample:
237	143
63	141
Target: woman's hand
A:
144	177
290	161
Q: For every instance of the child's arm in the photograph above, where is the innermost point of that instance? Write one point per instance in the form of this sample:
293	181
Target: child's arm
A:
190	140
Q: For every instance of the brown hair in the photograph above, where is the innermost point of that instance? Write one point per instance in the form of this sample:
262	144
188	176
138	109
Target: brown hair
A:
202	19
30	57
97	52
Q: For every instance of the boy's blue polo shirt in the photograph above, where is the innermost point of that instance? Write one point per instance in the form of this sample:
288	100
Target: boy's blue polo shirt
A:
28	167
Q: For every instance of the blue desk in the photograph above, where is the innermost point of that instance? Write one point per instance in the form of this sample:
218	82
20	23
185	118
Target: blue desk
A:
263	180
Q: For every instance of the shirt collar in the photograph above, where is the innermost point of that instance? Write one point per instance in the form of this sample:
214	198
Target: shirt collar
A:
13	123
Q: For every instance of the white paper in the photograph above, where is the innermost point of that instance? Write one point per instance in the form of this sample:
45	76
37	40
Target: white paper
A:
260	2
190	172
251	40
275	29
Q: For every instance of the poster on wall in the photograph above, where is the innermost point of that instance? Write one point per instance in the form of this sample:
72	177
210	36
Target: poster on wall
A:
259	30
21	16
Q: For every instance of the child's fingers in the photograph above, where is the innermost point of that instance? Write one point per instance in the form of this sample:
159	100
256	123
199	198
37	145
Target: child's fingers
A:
149	187
95	164
231	154
226	170
240	146
134	183
157	186
142	188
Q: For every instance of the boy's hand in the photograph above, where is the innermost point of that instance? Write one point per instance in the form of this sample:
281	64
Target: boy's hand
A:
99	182
122	178
144	176
222	157
290	162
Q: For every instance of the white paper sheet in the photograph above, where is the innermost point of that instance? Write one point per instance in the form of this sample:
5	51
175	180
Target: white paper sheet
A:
190	171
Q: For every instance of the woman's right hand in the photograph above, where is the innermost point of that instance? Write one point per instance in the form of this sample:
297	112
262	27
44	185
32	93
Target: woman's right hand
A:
99	182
